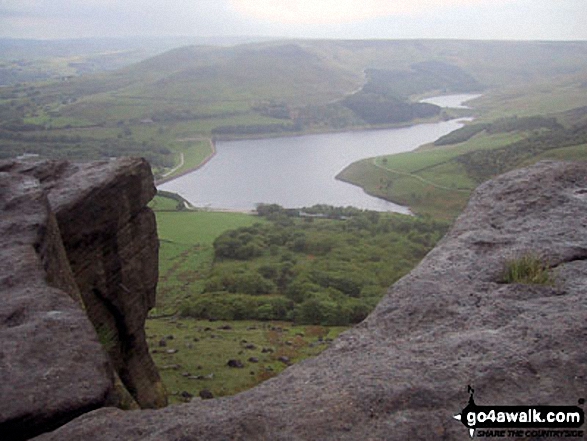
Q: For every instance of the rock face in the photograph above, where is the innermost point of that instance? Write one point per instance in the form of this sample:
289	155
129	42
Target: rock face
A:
74	238
403	373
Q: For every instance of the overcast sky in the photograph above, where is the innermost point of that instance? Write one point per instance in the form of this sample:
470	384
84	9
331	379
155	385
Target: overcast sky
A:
393	19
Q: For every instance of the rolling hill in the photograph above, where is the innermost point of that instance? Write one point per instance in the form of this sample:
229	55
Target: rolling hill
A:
290	86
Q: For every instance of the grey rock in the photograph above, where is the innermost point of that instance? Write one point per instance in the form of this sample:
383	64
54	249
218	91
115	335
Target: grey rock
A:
186	395
403	373
205	394
52	367
79	248
235	364
284	359
109	236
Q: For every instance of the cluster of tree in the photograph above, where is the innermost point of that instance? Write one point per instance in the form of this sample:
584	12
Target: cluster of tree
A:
513	124
484	164
312	270
256	129
178	114
385	97
80	148
14	74
461	135
374	108
276	212
334	115
421	78
273	109
503	125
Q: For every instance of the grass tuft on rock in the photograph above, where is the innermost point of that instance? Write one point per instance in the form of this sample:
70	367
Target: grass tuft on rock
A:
528	269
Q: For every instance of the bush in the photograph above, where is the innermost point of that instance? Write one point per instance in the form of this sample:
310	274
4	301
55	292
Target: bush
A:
209	307
275	308
226	306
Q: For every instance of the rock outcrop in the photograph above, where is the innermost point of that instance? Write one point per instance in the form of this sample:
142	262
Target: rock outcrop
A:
403	373
78	242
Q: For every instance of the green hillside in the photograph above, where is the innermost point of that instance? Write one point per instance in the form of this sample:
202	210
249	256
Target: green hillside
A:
438	179
279	88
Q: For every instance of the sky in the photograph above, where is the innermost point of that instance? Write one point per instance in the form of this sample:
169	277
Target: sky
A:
348	19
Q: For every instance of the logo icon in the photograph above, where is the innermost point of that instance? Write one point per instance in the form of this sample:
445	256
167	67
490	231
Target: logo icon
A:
551	418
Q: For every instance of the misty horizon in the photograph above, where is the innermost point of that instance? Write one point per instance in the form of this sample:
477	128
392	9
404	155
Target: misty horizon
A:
515	20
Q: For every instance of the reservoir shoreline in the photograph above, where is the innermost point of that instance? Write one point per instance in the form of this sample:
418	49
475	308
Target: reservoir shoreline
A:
297	171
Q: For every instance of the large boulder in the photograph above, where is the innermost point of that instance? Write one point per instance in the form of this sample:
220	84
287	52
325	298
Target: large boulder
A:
52	367
403	373
110	237
78	243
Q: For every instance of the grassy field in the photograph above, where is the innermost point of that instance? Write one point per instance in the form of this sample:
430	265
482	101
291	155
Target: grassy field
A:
185	257
432	182
193	355
406	189
539	98
186	252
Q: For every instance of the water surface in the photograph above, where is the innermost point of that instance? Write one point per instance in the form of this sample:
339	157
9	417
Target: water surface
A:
452	101
299	171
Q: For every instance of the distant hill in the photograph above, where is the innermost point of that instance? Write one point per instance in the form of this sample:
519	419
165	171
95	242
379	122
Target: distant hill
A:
272	87
211	80
29	60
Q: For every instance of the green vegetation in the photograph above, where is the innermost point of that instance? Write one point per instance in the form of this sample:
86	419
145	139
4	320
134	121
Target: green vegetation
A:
107	337
528	269
438	179
504	125
323	267
481	165
186	250
293	273
170	106
192	355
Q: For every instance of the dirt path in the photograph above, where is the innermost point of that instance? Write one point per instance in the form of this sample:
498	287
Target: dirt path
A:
167	176
177	167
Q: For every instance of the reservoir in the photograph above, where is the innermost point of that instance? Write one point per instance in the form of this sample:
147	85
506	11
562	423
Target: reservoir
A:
299	171
451	101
